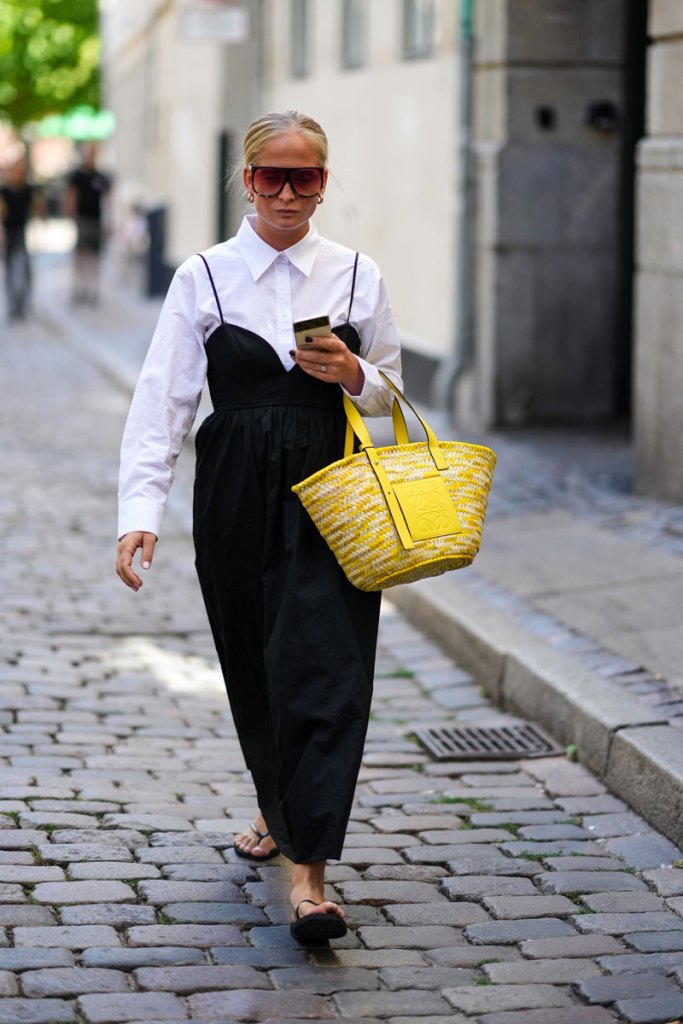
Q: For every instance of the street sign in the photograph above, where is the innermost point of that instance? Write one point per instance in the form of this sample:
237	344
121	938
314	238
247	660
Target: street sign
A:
223	25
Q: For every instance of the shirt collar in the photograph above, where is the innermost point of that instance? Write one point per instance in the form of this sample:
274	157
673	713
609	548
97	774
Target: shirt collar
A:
259	256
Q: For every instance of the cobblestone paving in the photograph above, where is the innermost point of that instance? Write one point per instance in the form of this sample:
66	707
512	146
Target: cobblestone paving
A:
505	893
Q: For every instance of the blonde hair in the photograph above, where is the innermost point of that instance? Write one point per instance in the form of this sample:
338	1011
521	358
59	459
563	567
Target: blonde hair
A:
267	127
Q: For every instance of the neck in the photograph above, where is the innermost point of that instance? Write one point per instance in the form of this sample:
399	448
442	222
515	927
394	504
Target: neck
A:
277	239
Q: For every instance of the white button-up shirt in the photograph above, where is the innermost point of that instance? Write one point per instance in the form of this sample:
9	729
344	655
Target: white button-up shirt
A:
264	291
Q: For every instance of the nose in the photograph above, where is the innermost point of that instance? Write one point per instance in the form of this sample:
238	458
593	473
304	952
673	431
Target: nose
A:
287	192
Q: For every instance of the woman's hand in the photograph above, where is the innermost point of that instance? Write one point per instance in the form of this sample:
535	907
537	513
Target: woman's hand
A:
128	545
330	360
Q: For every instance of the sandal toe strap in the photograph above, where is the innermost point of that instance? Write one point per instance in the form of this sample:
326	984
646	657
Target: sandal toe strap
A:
304	901
261	835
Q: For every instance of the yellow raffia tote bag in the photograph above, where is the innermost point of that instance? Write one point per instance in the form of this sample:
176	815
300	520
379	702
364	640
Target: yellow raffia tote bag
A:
404	512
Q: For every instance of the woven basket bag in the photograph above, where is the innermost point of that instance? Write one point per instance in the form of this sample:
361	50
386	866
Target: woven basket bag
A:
404	512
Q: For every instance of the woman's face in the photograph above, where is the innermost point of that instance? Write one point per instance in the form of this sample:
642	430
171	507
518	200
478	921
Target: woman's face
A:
282	220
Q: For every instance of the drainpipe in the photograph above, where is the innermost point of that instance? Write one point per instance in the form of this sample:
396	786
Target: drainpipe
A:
454	365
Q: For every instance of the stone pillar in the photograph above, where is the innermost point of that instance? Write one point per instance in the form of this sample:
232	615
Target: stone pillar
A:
548	82
658	366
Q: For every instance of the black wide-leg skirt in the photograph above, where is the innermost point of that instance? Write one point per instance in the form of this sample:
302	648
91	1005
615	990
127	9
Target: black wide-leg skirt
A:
296	641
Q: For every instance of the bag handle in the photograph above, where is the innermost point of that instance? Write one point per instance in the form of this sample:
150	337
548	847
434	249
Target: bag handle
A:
356	425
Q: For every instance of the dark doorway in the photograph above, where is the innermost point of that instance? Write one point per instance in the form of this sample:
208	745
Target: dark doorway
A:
633	129
223	177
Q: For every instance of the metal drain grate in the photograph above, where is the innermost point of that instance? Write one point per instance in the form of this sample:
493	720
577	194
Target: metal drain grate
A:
494	743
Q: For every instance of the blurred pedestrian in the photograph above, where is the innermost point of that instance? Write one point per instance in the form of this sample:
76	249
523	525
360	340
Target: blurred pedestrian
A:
17	203
85	201
296	641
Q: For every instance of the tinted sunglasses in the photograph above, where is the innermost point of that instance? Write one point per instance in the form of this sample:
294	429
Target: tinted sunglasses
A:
305	182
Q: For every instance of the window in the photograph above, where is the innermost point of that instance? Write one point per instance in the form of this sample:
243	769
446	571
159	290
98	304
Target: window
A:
299	32
418	28
353	33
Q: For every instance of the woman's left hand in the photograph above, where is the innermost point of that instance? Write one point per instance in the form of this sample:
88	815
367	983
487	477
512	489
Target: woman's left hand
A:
328	359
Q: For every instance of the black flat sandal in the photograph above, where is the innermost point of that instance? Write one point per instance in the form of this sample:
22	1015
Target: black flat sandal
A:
317	927
247	855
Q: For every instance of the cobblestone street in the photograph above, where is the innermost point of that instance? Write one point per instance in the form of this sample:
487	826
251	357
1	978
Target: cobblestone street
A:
504	893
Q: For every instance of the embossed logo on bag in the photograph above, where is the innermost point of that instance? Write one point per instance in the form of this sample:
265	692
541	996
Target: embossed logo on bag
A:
428	508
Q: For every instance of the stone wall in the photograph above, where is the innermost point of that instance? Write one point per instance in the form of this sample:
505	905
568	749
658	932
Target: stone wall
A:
659	276
547	189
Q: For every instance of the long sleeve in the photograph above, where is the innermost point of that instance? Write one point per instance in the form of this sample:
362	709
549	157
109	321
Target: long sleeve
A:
379	351
163	409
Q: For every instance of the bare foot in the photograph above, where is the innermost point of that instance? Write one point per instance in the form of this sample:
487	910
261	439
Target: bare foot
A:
249	842
308	883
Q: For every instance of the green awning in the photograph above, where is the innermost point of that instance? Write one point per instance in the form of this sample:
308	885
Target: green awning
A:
83	124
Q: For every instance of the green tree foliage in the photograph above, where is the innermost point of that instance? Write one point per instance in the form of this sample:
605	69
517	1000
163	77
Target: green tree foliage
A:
49	57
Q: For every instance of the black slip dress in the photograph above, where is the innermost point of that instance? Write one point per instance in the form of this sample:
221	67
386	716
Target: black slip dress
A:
296	641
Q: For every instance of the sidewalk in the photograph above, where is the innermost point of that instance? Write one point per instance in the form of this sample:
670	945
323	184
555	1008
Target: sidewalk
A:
571	615
520	892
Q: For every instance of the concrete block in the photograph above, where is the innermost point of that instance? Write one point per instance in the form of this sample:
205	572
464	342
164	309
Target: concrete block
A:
666	18
602	611
531	180
659	381
512	932
656	942
570	1015
554	552
579	946
640	963
567	91
646	764
72	981
665	83
660	201
415	1004
621	924
458	914
490	103
624	986
553	972
37	1011
118	1007
491	30
572	342
198	979
654	1008
565	32
479	999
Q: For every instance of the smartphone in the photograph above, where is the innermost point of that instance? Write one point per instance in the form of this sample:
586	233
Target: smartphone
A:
306	330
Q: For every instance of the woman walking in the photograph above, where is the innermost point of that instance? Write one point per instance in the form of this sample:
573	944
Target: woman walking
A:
296	641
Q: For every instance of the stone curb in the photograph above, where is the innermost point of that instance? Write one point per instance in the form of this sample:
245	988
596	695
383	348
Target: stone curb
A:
633	750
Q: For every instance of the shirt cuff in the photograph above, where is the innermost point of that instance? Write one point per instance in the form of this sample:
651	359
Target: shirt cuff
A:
375	398
140	514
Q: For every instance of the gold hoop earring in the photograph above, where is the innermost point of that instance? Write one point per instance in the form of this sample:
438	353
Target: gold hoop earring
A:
249	196
320	199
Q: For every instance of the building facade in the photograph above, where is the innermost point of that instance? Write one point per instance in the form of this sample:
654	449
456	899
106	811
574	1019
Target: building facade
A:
658	368
546	273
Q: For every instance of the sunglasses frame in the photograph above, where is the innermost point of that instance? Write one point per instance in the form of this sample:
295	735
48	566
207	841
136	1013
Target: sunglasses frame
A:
287	171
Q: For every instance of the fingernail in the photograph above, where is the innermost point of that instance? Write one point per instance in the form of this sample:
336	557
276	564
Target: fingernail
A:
309	337
145	565
291	352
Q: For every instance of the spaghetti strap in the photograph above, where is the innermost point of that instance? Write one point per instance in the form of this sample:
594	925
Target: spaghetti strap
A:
353	286
218	302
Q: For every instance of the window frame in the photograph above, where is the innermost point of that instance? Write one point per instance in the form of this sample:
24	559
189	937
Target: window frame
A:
354	34
419	24
299	38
